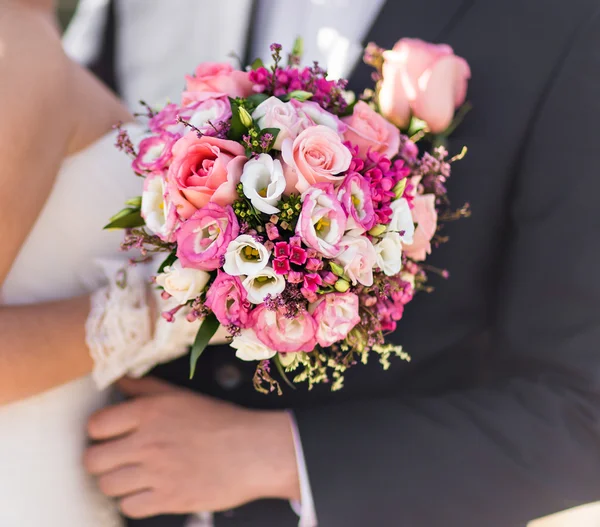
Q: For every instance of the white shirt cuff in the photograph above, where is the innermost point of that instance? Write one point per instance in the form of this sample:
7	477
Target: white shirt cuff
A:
306	507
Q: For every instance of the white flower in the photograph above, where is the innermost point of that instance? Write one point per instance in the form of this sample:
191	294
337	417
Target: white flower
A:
156	210
265	282
402	221
274	113
263	182
183	284
248	347
389	254
245	256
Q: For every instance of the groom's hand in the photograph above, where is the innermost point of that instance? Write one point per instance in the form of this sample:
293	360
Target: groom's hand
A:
170	451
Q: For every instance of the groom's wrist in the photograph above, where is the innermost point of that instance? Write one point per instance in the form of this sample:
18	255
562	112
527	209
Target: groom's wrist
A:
276	473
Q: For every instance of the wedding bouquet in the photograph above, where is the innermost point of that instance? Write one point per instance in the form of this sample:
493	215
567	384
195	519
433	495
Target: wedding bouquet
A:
291	212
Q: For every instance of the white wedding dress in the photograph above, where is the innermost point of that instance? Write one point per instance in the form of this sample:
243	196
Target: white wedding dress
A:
42	439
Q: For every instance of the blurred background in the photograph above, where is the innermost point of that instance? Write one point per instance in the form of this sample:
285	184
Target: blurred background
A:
66	9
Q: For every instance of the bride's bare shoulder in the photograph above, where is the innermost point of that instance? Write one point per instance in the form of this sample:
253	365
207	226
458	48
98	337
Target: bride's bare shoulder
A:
36	122
34	71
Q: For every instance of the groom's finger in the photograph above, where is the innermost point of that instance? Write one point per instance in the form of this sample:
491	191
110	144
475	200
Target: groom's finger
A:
115	421
106	457
145	386
124	481
140	505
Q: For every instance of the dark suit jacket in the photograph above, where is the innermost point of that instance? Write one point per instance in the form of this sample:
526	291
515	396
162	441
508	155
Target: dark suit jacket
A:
496	420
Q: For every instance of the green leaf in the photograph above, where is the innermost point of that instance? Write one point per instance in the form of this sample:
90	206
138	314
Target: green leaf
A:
205	333
254	100
237	129
258	63
135	203
282	372
126	219
170	260
299	95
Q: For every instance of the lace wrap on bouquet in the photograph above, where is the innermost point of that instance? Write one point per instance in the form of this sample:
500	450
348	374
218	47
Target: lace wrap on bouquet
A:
119	328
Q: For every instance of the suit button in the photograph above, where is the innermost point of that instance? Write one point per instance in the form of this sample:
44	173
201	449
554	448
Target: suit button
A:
228	376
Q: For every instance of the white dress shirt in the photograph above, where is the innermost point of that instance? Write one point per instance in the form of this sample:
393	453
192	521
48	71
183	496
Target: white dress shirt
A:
161	41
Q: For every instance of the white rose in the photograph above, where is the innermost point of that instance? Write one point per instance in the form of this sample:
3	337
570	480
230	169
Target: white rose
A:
155	209
358	257
245	256
183	284
402	220
265	282
263	182
248	347
274	113
389	254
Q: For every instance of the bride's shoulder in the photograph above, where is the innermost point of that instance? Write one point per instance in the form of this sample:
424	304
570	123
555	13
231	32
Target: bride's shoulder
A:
36	123
33	67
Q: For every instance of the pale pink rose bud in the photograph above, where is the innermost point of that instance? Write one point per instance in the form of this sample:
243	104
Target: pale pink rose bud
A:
427	80
336	315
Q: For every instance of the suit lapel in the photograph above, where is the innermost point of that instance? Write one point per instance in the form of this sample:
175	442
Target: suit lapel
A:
429	20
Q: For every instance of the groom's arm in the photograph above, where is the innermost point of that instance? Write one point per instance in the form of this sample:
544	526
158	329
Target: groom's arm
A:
503	455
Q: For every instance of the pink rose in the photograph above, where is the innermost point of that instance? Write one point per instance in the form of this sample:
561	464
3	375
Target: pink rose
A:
336	314
219	78
358	257
203	170
202	240
317	155
227	299
282	334
318	115
427	79
425	216
369	131
322	221
154	154
274	113
356	200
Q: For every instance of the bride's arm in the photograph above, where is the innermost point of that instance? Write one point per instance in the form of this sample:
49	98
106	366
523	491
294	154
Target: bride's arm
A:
40	345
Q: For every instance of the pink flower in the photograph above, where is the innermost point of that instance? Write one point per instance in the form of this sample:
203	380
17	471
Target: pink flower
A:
206	113
166	121
358	257
285	335
274	113
227	299
203	239
318	115
317	155
219	78
322	221
425	216
427	79
203	170
154	153
336	315
357	202
369	131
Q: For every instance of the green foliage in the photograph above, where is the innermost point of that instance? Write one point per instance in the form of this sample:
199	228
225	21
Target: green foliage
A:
127	218
205	333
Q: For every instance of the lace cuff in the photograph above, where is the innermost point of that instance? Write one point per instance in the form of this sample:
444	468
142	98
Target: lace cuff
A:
119	329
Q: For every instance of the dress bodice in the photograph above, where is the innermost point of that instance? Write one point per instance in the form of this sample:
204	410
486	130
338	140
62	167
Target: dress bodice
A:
42	481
